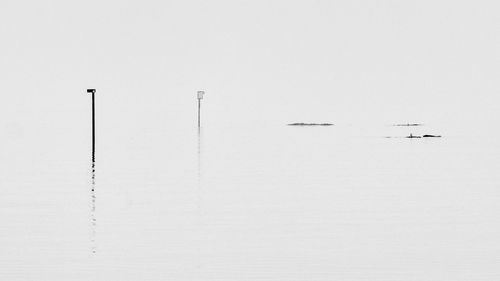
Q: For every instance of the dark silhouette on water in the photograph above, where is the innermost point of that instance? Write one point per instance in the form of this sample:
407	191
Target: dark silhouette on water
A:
411	136
408	124
310	124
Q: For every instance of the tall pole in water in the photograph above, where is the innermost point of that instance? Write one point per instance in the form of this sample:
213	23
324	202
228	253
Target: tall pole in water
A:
92	211
200	97
92	91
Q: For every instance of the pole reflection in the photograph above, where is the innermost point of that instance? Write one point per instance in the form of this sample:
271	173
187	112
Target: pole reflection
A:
93	221
199	208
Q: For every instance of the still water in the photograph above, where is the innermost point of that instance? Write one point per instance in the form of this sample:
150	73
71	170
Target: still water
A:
252	202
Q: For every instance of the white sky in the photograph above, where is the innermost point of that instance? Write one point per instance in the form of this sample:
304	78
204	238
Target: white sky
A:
259	61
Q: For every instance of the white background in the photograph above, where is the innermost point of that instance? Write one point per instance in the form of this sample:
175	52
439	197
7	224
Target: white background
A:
249	198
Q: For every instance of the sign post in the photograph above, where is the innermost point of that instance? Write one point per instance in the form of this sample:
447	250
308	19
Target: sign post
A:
200	97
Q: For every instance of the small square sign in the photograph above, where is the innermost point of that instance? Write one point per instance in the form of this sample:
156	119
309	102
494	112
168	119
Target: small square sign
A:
200	94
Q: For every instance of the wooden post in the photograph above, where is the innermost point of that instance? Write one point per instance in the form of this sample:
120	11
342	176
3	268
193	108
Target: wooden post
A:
92	91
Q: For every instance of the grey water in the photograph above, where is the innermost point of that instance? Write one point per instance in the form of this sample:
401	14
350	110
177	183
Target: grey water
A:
247	202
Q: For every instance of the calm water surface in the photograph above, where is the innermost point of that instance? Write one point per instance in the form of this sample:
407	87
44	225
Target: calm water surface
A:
252	203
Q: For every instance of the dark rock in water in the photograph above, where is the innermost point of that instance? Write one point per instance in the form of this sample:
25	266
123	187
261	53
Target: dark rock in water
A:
409	124
413	137
310	124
